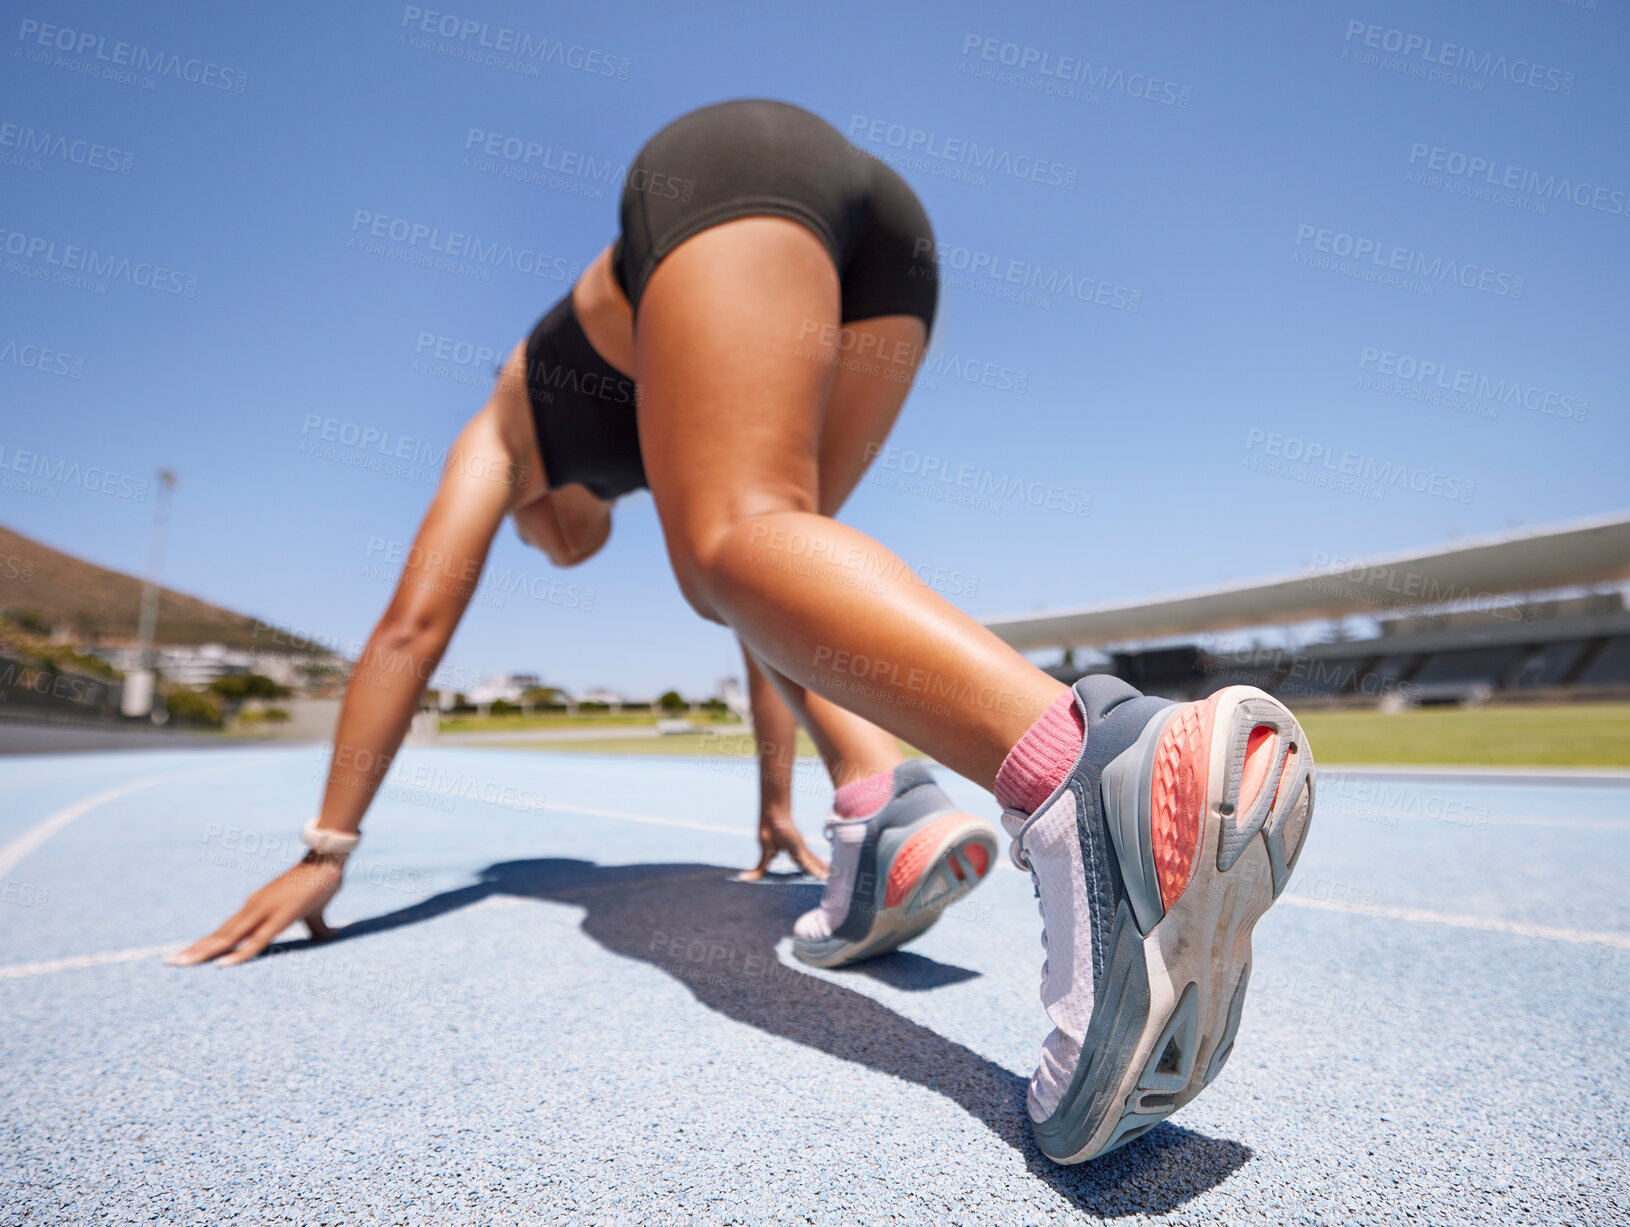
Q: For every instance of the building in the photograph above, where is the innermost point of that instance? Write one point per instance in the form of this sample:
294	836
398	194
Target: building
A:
733	696
1525	615
505	687
199	665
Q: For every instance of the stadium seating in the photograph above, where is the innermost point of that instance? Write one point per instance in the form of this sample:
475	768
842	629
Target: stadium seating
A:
1576	647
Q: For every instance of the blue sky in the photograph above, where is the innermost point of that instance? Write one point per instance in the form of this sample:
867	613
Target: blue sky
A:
1251	229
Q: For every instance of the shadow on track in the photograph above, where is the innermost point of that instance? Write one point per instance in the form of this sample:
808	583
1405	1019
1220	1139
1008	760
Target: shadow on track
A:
718	938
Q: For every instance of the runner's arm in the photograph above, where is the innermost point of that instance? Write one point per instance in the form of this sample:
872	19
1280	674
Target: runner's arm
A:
775	736
438	579
436	584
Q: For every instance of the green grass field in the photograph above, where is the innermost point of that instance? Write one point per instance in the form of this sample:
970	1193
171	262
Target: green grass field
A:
729	743
1561	735
546	721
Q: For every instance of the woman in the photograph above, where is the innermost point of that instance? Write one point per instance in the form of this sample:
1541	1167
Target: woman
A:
1156	833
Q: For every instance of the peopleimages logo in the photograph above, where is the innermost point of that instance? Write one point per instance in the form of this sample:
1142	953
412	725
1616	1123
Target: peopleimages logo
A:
485	43
467	362
1405	370
54	145
526	151
1493	174
39	468
450	349
71	259
1374	257
955	368
41	358
1389	586
470	251
408	563
526	160
1281	451
913	142
1050	68
1461	59
994	273
929	469
116	56
356	437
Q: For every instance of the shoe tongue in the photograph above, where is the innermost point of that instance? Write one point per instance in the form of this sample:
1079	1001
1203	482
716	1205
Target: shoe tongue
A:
848	830
913	773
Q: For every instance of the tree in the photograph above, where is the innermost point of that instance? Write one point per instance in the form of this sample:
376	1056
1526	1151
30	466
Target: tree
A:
237	687
30	622
671	701
196	706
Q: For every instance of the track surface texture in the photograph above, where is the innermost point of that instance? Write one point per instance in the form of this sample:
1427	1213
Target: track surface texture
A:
551	1003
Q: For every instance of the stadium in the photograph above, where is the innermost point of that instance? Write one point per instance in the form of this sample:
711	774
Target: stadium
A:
1456	626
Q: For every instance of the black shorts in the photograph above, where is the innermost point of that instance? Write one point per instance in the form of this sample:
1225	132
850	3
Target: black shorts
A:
752	158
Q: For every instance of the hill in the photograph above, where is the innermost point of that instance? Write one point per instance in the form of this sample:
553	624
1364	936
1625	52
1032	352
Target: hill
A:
101	606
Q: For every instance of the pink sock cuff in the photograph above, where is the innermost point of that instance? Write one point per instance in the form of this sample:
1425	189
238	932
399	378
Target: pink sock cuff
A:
862	798
1043	757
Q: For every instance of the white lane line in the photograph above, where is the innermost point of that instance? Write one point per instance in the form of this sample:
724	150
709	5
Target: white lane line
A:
1618	941
21	971
31	840
1495	775
591	812
647	819
1576	824
1389	816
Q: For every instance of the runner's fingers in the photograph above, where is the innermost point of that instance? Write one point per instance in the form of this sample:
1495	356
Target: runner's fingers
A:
199	951
256	941
224	938
793	841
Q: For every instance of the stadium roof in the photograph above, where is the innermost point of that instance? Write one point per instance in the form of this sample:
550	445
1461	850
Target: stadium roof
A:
1531	560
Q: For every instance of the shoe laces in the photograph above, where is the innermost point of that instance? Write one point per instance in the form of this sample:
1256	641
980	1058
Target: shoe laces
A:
1011	819
850	853
1017	818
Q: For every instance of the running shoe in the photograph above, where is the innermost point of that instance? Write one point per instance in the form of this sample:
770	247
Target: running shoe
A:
894	873
1178	826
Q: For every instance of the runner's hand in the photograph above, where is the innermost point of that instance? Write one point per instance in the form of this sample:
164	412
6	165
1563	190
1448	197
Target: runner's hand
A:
776	833
299	894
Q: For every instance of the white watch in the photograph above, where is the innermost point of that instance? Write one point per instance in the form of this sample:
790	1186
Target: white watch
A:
327	842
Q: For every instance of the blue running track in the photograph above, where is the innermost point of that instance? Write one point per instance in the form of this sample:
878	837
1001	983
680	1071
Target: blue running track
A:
552	1003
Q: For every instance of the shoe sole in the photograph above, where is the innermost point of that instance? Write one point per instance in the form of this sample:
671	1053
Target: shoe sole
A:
1166	1023
935	868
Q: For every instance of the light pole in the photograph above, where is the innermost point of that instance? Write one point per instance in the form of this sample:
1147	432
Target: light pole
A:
137	696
